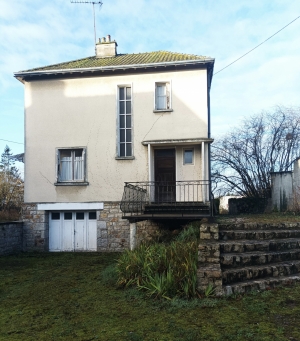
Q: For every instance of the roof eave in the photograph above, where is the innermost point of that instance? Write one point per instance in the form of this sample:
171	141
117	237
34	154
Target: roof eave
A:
21	74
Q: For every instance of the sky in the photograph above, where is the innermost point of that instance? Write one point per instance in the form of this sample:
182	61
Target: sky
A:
35	33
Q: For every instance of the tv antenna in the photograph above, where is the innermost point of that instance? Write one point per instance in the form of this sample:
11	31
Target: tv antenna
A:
100	3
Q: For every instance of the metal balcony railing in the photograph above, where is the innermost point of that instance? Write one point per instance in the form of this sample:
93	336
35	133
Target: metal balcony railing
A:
139	196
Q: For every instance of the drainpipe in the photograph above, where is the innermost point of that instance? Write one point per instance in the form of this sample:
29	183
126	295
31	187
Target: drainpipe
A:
208	135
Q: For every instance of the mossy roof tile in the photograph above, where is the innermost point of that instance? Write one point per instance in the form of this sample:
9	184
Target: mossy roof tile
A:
123	59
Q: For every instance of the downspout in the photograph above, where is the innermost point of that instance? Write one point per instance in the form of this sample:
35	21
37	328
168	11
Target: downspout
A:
208	135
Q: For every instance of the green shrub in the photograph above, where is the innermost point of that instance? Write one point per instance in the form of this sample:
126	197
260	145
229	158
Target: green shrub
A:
190	233
162	270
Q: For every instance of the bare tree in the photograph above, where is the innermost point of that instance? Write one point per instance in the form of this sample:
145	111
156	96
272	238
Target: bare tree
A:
243	159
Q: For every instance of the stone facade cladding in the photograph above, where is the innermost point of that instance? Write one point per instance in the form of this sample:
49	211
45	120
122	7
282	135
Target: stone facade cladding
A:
35	228
11	237
113	232
209	267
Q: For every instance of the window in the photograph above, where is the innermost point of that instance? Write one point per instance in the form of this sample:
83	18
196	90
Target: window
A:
162	96
125	126
68	216
71	165
55	216
188	156
79	215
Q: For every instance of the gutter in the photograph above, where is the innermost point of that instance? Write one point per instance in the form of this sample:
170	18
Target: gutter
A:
22	74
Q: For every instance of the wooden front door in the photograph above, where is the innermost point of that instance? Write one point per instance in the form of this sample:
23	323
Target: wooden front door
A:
165	175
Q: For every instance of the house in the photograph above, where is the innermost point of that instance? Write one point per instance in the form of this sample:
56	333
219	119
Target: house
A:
95	124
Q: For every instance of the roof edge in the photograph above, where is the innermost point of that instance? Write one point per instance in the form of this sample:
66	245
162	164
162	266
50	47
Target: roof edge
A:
116	67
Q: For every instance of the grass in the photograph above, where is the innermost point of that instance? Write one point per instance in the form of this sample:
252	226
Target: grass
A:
72	296
265	218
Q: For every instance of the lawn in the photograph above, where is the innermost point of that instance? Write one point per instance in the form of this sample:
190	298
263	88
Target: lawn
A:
263	218
70	296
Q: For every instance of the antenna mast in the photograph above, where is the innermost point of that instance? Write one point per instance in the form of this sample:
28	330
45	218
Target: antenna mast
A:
100	3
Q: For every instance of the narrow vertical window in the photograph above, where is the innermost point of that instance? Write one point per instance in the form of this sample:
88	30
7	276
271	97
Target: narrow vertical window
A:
125	130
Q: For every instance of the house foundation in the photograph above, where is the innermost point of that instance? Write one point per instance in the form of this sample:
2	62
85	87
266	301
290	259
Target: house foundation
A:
113	232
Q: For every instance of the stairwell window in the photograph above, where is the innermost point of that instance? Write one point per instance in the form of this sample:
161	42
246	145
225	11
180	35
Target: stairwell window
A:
125	122
162	96
71	165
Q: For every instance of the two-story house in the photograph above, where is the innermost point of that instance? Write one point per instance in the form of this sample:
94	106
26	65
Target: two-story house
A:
114	142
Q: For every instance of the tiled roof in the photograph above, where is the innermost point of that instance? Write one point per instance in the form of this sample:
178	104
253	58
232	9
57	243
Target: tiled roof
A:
124	59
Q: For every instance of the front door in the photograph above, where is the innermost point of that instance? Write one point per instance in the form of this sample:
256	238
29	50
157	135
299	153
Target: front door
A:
165	175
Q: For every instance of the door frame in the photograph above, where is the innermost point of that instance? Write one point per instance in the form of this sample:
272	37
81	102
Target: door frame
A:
165	193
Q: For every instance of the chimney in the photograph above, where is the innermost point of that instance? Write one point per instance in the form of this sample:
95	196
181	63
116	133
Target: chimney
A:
106	48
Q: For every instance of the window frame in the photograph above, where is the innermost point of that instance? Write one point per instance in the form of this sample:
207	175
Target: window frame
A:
118	100
168	85
78	182
193	157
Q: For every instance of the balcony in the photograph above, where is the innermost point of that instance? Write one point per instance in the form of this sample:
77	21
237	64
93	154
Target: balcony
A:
166	200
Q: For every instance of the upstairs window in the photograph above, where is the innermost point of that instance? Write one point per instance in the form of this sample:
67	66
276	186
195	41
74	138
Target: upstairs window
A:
71	165
125	124
162	96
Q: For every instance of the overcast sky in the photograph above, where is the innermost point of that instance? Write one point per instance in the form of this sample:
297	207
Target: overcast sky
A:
36	33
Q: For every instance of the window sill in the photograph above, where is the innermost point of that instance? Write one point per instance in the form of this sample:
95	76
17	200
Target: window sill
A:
124	158
163	110
71	183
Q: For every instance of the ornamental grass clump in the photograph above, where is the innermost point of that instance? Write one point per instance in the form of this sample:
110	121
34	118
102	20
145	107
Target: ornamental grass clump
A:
161	270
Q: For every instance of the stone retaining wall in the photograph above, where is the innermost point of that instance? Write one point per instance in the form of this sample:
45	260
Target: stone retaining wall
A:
11	237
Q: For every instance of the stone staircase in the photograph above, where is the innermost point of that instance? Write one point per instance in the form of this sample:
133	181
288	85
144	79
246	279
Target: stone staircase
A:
259	256
236	258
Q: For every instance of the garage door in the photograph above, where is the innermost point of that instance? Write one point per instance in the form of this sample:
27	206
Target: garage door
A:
72	231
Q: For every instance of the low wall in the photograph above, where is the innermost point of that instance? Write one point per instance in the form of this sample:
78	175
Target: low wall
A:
11	237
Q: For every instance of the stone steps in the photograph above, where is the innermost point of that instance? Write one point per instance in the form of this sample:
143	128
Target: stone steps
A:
240	246
260	284
249	256
258	234
259	226
234	276
229	260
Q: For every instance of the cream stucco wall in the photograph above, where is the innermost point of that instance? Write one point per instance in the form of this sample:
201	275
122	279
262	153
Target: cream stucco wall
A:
82	112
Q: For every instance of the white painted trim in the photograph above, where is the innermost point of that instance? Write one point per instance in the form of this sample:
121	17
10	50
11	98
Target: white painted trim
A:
132	236
203	159
65	206
178	141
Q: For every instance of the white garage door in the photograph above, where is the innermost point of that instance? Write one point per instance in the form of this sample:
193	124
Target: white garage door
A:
72	231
